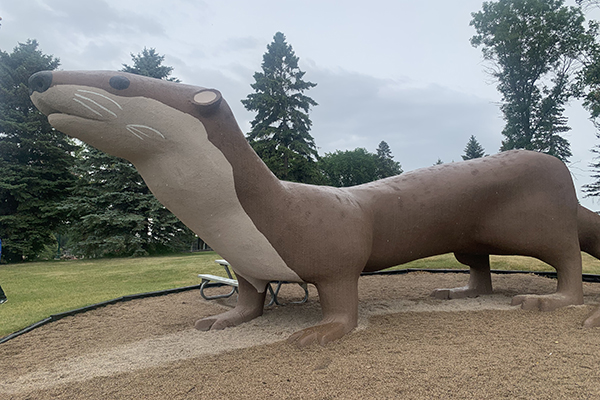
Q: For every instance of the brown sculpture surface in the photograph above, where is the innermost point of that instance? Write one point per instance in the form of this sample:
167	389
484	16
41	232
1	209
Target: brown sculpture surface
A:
187	146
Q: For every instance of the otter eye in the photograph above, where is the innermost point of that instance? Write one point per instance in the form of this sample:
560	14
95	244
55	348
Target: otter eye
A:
119	82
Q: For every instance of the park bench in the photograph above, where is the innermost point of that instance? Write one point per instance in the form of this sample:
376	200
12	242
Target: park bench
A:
230	281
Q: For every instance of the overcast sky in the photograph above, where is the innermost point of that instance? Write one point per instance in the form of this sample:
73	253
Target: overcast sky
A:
402	71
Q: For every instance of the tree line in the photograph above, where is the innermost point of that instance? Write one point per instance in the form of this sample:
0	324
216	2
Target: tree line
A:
57	193
60	195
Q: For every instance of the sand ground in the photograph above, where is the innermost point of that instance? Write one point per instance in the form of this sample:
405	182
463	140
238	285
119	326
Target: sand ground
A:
407	346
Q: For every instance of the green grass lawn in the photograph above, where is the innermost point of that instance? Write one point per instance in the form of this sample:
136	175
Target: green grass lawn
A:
513	263
37	290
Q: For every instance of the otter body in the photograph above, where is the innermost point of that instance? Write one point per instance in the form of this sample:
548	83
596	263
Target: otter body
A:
187	146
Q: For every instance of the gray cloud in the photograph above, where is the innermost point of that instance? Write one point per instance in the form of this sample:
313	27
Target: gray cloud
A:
419	123
97	18
235	44
78	32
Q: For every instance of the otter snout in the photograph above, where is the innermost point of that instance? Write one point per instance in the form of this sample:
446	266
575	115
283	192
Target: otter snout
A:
40	82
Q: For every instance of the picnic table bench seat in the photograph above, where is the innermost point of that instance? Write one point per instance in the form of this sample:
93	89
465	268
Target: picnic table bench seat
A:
230	281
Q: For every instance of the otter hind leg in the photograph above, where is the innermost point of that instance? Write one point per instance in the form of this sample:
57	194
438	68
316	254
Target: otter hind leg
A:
569	286
480	279
588	225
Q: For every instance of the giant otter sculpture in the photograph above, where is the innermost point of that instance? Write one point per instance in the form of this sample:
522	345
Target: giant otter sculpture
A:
186	144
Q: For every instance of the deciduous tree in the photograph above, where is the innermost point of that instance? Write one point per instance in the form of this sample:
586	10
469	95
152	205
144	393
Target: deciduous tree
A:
535	47
358	166
349	167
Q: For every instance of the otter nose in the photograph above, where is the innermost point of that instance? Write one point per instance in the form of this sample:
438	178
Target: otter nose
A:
40	82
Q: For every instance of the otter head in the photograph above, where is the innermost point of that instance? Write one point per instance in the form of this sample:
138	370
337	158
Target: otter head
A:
126	115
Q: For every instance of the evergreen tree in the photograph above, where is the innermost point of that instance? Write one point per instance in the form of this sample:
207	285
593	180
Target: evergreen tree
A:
35	160
473	149
593	189
536	47
149	63
280	130
386	166
115	214
113	211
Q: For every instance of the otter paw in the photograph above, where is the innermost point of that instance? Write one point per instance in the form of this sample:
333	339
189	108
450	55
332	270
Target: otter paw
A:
212	323
227	319
458	293
321	334
546	302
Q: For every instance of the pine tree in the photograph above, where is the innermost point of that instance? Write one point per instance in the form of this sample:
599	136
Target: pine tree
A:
280	130
113	211
386	166
35	160
115	214
593	189
473	149
149	63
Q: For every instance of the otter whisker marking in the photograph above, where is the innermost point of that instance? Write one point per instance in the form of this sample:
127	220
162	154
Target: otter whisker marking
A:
101	95
99	105
146	127
88	107
131	130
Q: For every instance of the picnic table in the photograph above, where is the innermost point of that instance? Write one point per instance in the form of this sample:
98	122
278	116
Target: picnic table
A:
231	281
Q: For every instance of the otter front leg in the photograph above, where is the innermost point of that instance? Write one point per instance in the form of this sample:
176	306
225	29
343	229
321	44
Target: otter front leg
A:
250	305
339	303
480	278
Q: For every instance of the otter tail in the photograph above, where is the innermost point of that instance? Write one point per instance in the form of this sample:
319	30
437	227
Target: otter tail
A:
588	225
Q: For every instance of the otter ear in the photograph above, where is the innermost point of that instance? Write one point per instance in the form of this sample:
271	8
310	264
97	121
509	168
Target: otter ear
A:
207	99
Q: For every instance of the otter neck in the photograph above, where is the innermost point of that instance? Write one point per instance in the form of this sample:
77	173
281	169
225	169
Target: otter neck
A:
254	181
197	181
